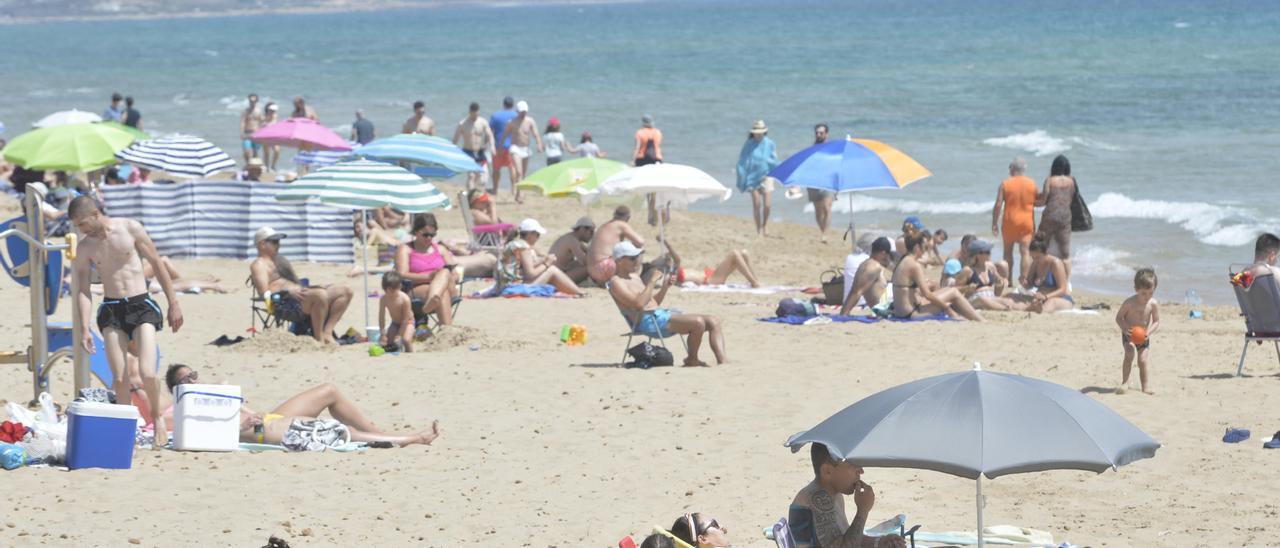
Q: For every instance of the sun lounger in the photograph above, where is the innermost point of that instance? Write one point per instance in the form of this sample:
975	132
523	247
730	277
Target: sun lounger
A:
1260	305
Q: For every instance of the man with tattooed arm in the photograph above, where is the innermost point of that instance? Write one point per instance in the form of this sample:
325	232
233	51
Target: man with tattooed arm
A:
817	514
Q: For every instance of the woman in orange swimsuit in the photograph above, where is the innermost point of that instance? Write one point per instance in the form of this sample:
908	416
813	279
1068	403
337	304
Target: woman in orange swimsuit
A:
736	261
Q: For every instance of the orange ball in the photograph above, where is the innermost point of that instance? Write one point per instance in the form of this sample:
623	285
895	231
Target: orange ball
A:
1137	334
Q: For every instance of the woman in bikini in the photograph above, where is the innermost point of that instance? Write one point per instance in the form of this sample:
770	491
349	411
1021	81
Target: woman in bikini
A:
307	405
483	209
984	283
736	261
1050	278
428	267
912	296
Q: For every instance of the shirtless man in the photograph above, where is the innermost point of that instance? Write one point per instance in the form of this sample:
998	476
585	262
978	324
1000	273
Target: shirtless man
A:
419	122
272	273
302	110
635	296
817	515
476	139
520	129
117	247
570	249
250	121
600	263
871	277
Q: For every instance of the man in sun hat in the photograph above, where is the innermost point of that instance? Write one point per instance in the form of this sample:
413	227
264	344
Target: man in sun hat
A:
271	273
570	249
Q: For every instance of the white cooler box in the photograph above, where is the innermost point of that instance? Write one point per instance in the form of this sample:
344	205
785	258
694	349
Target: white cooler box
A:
206	417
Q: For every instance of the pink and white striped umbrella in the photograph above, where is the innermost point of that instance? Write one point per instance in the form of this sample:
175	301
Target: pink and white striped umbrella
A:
300	133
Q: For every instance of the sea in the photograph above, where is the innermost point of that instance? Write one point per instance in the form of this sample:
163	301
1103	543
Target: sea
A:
1168	110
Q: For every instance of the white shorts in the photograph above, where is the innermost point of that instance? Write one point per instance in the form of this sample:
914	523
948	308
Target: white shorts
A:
518	151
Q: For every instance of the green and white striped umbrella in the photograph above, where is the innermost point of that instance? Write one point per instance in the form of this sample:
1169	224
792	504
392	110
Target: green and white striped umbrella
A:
365	184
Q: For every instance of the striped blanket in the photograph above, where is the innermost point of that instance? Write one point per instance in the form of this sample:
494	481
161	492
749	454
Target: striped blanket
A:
199	219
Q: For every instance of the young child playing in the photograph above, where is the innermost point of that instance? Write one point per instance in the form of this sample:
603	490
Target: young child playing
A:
396	303
1139	312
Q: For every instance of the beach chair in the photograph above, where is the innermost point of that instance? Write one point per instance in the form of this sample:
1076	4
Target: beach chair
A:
1260	305
420	316
486	238
633	331
264	315
780	532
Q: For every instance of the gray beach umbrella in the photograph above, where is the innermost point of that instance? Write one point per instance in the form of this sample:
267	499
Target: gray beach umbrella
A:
980	423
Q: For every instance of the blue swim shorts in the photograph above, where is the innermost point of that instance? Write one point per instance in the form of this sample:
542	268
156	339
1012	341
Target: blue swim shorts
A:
654	324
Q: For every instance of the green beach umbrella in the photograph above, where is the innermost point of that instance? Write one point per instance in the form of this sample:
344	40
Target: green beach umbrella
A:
70	147
572	177
138	135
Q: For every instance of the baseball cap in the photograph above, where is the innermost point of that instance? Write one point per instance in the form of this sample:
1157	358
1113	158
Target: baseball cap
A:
522	107
881	244
951	267
273	107
553	121
914	221
532	225
583	222
626	249
979	246
267	233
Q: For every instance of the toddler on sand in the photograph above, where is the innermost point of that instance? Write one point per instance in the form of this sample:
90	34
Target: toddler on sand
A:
396	303
1138	318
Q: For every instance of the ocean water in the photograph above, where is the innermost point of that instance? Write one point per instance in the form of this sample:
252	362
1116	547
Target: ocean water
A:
1168	110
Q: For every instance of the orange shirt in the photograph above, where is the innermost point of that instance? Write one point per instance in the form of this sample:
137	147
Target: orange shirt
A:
1019	205
645	134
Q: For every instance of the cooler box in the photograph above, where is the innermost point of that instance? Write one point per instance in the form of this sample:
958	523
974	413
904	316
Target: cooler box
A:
206	417
100	435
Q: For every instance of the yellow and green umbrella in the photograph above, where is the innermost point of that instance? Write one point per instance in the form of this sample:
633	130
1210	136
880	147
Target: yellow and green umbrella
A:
70	147
138	135
572	177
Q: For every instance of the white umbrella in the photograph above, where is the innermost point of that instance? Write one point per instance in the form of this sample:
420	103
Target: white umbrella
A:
64	117
672	183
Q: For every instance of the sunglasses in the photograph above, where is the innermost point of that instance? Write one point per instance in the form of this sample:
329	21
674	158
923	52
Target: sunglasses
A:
191	376
693	526
427	234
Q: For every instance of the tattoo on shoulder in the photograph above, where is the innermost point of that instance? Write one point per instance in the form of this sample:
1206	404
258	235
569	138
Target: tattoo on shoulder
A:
825	525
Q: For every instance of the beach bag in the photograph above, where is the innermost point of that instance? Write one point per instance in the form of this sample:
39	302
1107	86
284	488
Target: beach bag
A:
1081	219
832	282
795	307
315	435
647	355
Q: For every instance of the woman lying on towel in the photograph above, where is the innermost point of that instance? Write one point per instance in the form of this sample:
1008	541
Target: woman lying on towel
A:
306	406
736	261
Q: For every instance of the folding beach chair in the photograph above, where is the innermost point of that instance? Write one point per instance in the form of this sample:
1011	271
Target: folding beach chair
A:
420	316
780	532
264	315
486	238
1260	305
633	330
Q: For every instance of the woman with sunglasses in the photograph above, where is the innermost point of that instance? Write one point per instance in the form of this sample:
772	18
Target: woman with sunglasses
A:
428	267
308	404
701	531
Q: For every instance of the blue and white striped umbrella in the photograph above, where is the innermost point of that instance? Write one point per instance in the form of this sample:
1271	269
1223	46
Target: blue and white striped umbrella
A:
181	155
419	149
365	184
319	158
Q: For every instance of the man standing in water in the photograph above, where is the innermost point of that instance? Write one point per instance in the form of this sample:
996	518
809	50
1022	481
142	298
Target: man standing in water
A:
419	122
476	139
117	247
250	121
821	199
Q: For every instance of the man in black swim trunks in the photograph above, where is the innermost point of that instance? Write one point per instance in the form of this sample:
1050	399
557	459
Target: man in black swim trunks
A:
476	139
117	247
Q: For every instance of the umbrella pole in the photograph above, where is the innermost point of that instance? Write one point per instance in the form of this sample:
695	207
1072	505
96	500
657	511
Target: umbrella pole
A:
364	245
980	503
853	238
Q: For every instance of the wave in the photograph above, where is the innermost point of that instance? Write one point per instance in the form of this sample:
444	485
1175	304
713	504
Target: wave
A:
181	99
1097	261
1181	25
1041	143
1212	224
863	203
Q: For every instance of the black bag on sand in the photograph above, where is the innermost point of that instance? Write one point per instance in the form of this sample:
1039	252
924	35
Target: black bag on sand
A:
647	355
1081	219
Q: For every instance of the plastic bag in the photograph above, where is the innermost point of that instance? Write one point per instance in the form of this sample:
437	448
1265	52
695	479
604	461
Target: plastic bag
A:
12	456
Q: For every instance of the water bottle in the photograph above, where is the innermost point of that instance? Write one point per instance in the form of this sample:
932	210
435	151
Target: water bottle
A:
1192	298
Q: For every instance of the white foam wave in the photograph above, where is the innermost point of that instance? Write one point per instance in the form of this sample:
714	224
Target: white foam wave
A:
1211	224
181	99
210	52
862	203
1041	143
1097	261
1181	25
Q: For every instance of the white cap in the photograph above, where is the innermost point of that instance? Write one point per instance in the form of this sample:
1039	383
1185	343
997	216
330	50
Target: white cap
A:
532	225
522	106
626	249
267	233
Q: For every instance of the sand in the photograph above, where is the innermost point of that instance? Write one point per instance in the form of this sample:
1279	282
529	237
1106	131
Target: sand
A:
547	445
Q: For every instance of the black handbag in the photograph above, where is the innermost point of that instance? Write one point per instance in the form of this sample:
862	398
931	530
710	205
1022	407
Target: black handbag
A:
647	355
1081	219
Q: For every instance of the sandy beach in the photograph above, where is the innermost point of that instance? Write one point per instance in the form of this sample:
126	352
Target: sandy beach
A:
548	445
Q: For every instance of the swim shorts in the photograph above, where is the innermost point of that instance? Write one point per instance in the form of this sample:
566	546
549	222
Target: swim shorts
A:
655	324
477	155
518	152
1124	338
602	270
249	144
289	308
129	313
501	159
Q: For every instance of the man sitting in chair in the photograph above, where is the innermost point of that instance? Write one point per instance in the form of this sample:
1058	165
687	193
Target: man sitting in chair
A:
636	296
817	515
1265	250
272	273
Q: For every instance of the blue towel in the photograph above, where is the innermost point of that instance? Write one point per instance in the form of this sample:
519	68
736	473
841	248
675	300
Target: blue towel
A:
1235	435
529	290
799	320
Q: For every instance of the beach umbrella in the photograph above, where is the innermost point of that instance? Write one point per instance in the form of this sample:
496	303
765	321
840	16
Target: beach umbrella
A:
572	177
319	158
365	185
671	183
64	117
70	147
847	165
301	133
138	135
980	423
181	155
416	148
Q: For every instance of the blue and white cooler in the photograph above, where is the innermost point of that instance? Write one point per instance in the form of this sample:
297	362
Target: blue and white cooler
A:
100	435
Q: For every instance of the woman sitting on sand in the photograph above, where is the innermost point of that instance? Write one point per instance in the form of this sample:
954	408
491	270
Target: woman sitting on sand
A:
736	261
428	267
521	263
700	531
1048	275
912	296
307	405
982	280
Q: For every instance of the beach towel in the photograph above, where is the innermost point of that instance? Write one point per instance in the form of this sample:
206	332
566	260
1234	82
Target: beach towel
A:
736	288
997	534
259	447
519	291
802	320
